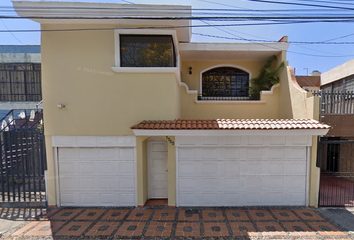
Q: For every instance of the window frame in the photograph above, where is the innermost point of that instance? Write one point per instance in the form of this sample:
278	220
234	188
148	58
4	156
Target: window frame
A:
118	68
220	66
172	49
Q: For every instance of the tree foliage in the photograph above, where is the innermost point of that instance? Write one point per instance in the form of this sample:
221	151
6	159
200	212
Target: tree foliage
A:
147	55
267	77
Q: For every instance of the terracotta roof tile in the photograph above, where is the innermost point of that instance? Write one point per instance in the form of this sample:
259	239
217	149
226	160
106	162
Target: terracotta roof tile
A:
233	124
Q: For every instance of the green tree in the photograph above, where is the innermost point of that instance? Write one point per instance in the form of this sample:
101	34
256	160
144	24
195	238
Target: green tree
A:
267	77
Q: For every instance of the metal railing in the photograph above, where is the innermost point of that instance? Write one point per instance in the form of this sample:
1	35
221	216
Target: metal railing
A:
222	98
336	102
22	158
20	82
335	160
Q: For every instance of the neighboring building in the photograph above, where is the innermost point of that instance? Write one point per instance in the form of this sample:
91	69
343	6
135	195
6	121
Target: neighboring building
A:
337	146
133	114
20	77
340	78
309	83
338	108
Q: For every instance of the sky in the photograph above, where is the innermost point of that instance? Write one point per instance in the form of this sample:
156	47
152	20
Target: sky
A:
305	57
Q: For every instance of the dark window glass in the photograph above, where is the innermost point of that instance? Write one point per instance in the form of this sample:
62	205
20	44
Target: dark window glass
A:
147	51
225	82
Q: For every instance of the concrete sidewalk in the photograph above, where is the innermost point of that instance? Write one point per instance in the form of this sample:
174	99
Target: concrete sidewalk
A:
162	222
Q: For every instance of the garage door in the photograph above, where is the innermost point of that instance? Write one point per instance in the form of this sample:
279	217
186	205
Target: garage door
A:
96	176
247	171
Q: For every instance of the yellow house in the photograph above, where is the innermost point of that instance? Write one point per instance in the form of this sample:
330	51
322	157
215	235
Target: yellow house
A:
134	111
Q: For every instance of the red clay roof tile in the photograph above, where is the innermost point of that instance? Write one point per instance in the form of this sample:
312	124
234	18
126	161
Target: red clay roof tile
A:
234	124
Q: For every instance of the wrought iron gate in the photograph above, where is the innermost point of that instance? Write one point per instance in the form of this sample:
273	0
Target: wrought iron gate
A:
336	160
23	159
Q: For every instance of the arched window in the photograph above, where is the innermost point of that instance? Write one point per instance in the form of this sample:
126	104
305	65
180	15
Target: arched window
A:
225	82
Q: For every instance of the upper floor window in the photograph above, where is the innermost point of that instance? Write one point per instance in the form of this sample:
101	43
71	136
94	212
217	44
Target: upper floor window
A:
225	82
147	51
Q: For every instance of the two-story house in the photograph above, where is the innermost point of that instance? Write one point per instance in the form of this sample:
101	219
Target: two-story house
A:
134	111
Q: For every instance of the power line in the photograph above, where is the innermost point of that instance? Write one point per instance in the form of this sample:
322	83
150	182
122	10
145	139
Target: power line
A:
302	4
250	40
266	41
338	17
162	27
11	32
159	27
258	36
330	2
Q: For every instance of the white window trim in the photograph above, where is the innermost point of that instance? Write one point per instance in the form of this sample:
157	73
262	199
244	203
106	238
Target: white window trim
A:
231	102
118	68
222	65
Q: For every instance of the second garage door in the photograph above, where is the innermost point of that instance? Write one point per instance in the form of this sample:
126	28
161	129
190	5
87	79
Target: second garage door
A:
224	171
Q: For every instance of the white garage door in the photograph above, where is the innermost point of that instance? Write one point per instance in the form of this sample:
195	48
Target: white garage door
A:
96	176
247	171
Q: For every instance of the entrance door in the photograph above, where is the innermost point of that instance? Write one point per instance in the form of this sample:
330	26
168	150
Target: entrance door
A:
157	168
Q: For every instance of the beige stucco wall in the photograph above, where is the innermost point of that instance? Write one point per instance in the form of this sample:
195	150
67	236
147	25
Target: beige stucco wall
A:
193	80
251	110
284	96
51	173
238	109
304	105
77	72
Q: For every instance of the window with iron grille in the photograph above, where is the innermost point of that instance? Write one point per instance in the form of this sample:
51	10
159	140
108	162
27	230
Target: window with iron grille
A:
20	82
225	82
147	51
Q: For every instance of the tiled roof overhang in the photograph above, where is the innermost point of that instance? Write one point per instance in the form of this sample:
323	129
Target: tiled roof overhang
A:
235	127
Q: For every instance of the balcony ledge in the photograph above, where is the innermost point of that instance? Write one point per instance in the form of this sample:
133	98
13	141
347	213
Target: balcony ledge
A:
230	102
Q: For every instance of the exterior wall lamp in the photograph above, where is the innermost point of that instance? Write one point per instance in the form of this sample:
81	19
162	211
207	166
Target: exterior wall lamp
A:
190	70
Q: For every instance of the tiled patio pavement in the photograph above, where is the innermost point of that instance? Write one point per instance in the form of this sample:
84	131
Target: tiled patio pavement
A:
161	222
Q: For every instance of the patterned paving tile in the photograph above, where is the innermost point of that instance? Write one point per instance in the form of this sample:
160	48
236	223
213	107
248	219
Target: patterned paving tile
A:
215	229
243	229
260	214
271	229
50	212
188	229
164	215
236	215
267	223
90	214
115	215
299	229
188	215
45	228
131	229
65	214
74	229
212	215
103	229
308	215
25	228
138	215
326	229
159	229
284	215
